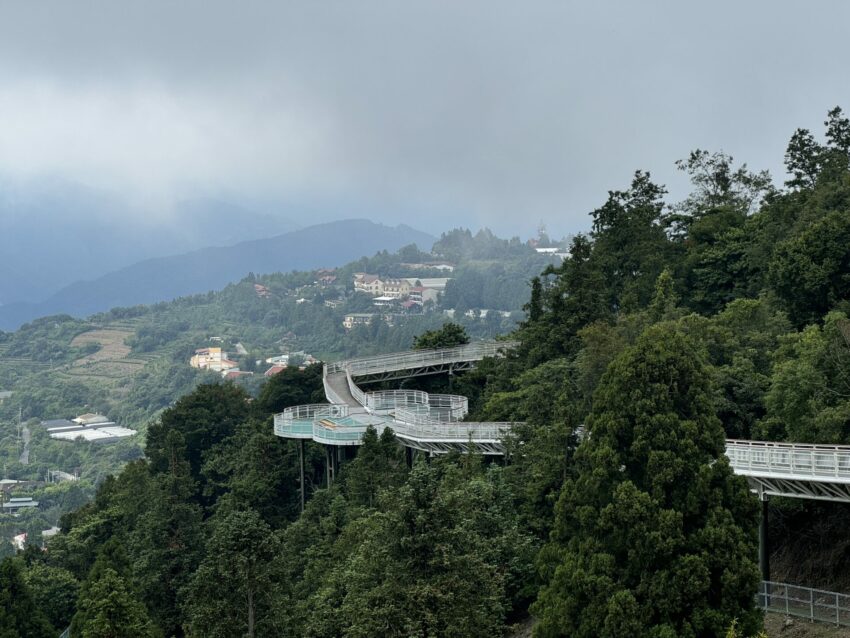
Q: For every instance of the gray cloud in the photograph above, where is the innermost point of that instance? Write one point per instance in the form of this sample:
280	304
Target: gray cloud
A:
432	113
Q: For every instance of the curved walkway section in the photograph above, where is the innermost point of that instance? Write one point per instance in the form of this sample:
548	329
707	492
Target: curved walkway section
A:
428	422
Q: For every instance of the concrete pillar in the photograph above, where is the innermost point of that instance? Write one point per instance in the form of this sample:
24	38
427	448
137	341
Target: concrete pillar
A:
408	456
301	465
329	463
764	538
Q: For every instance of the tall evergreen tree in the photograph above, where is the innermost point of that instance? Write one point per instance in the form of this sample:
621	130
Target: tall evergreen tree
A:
54	590
449	335
655	536
443	557
108	609
379	465
809	270
203	418
19	615
803	159
230	592
630	245
167	543
573	295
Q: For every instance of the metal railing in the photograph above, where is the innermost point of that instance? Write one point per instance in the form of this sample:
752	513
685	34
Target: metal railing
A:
298	420
421	424
416	358
392	399
313	411
453	404
803	602
344	432
789	459
358	394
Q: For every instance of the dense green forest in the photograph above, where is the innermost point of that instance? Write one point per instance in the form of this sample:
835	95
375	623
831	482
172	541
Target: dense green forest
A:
669	328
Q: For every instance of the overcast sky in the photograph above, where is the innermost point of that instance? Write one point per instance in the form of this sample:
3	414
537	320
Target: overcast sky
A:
435	114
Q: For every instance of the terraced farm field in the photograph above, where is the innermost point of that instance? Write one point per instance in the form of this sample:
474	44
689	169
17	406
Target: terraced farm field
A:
111	361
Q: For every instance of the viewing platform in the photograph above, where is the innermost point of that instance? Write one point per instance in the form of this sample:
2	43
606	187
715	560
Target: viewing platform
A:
428	422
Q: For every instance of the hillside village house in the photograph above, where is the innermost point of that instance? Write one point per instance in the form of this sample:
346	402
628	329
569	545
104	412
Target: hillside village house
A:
378	287
416	289
421	294
212	359
357	319
370	284
394	288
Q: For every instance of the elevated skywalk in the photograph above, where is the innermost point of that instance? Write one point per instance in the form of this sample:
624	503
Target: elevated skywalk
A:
799	470
427	422
434	423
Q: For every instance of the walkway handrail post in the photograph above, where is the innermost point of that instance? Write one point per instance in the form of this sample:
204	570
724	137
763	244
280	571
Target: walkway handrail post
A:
812	605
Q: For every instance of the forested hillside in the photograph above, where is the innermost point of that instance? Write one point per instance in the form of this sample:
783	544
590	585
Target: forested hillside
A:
131	363
670	327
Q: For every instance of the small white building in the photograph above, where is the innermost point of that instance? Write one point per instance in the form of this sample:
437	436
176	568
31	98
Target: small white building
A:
47	534
214	359
384	300
107	434
357	319
90	419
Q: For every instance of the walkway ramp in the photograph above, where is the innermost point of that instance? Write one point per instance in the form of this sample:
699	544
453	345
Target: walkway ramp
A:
337	389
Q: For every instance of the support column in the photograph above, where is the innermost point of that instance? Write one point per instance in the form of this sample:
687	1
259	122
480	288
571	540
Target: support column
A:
408	456
764	538
301	465
329	463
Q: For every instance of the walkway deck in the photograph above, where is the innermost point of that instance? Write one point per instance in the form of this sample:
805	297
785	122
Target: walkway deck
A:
431	423
434	423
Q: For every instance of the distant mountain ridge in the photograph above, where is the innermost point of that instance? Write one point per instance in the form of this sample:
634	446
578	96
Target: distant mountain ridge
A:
54	233
165	278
